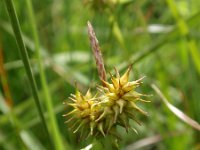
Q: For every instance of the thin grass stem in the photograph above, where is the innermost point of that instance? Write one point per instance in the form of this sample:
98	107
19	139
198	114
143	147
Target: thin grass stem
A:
24	55
185	32
57	139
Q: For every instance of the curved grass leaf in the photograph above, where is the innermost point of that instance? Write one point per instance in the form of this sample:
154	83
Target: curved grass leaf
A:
181	115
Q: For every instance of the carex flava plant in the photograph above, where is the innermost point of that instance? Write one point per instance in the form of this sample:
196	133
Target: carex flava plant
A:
114	103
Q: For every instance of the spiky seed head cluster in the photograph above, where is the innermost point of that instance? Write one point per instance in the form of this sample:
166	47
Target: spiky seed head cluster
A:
115	105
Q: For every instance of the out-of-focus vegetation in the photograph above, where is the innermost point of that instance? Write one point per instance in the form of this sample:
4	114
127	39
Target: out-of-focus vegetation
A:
160	38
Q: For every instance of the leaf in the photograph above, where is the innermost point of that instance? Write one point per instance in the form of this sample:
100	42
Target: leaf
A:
31	142
176	111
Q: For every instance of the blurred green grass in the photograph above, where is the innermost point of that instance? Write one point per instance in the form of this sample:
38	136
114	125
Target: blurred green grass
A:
145	33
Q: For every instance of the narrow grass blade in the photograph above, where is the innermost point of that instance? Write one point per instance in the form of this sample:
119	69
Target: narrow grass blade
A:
32	142
24	55
3	77
57	139
176	111
155	45
25	137
21	109
117	33
185	32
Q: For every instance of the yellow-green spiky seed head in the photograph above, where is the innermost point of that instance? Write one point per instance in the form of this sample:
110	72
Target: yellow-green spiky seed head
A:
119	100
80	114
100	115
83	116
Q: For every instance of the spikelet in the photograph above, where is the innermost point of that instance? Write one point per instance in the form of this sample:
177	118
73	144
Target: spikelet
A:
84	113
120	99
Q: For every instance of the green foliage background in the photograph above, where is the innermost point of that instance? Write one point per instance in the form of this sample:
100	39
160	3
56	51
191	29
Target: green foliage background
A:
160	38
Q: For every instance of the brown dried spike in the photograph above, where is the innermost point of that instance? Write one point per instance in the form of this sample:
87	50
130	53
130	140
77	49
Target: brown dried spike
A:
96	52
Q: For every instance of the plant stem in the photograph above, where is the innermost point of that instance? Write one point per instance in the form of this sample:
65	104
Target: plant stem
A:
57	139
25	59
185	32
136	58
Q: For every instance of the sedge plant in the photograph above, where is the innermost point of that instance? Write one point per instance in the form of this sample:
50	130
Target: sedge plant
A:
114	103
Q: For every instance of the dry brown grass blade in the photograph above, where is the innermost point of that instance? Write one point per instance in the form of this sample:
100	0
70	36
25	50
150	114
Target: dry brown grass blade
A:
96	52
4	80
176	111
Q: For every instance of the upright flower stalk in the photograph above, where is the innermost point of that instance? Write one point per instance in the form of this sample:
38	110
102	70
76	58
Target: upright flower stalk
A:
115	103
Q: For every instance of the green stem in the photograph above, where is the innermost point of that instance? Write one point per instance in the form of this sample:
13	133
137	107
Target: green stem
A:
25	59
136	58
185	32
57	139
